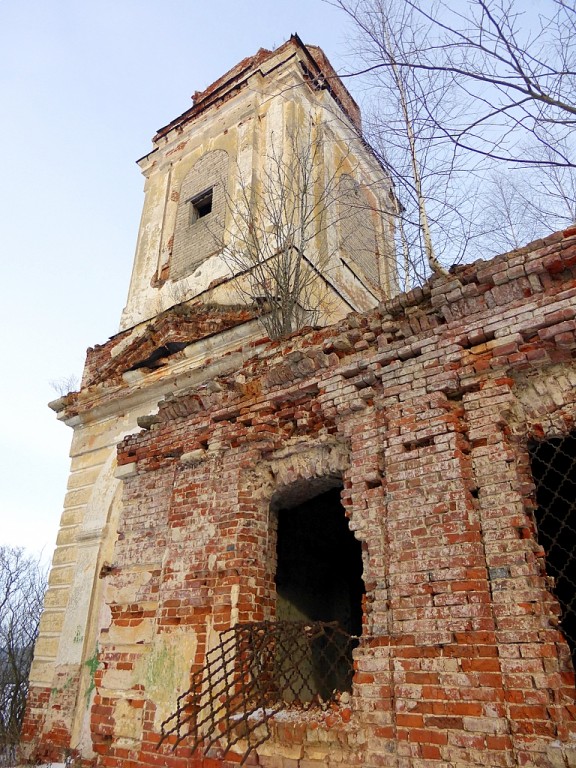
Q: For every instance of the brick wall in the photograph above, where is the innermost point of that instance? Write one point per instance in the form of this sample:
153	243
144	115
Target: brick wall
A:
196	240
423	410
159	338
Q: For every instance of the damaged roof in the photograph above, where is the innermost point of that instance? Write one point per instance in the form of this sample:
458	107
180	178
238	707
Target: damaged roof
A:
317	70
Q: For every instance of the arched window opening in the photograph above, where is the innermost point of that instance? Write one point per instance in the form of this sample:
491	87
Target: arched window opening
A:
319	579
304	658
553	464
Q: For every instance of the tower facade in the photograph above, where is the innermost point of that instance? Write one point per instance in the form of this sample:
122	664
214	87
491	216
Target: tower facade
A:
268	165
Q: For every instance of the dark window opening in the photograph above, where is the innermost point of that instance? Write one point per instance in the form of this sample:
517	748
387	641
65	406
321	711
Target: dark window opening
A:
201	205
319	578
303	659
553	465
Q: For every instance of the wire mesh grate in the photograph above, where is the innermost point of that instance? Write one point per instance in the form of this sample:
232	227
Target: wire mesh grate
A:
553	464
256	670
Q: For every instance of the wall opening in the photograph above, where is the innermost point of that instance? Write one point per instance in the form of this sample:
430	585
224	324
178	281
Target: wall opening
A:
201	205
553	464
319	578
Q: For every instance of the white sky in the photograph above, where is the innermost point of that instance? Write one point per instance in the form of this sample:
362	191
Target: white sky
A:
83	87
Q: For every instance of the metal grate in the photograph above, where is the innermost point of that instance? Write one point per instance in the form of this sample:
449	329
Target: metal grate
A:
255	671
553	464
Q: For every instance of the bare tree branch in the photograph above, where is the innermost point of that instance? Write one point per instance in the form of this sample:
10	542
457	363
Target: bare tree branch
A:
22	587
280	239
526	74
489	89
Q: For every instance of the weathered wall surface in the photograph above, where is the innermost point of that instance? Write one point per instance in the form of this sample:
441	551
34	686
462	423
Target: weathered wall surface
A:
423	409
122	384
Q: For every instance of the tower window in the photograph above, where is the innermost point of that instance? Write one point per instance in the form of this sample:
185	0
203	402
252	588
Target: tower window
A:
201	205
202	196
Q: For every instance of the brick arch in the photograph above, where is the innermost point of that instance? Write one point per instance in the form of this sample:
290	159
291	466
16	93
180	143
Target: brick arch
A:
541	406
304	470
305	479
293	474
196	238
542	422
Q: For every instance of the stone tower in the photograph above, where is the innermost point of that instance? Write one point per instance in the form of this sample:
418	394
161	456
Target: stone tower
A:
194	313
276	134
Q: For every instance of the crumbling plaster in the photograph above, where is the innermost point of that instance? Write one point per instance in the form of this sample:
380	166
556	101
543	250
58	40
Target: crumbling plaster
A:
191	428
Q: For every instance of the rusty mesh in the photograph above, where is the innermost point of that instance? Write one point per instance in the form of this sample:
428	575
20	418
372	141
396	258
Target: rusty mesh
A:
256	670
553	464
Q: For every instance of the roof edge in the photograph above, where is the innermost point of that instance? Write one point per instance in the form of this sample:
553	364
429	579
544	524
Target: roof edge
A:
324	76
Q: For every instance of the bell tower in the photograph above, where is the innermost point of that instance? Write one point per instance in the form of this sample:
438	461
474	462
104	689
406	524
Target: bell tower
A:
275	139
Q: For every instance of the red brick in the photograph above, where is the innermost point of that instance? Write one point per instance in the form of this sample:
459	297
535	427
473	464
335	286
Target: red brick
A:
437	489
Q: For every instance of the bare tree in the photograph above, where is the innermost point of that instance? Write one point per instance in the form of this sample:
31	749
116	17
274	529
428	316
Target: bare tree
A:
519	207
514	73
65	384
432	180
22	587
276	239
494	89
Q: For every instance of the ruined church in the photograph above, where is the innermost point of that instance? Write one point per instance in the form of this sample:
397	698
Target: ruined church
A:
347	540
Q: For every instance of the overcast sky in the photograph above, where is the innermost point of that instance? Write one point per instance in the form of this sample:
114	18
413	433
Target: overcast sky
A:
83	88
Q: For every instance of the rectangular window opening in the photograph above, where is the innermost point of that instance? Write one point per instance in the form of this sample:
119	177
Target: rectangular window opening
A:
201	205
319	584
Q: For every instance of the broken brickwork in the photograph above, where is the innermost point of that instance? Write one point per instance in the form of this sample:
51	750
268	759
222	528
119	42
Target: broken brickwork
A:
167	333
422	412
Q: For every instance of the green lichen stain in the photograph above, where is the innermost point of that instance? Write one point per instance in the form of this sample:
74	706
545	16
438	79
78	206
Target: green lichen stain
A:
78	637
69	681
161	669
92	663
